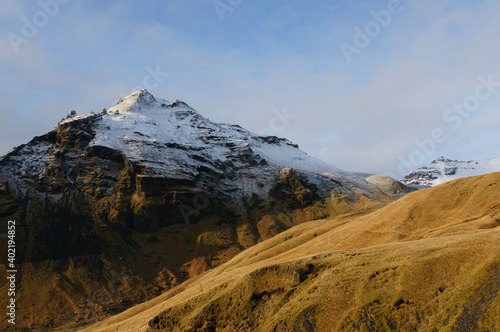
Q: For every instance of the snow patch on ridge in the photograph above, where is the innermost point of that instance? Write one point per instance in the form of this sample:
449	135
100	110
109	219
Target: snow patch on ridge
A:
443	170
165	136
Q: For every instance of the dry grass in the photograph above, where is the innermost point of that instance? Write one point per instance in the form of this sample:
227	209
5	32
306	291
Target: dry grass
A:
428	262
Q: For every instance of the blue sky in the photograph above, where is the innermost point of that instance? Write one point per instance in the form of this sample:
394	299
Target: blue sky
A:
375	113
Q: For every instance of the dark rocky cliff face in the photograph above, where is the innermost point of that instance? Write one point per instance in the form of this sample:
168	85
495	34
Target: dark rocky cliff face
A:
99	231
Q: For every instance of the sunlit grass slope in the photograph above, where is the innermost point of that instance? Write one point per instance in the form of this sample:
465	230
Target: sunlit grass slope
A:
427	262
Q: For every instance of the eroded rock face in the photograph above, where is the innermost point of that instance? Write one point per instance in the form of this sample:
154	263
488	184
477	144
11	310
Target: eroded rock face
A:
146	195
294	190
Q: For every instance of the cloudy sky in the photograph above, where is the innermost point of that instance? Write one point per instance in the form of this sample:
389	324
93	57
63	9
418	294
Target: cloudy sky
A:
370	86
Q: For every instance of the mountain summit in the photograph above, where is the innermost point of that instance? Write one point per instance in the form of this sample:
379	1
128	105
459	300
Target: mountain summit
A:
166	136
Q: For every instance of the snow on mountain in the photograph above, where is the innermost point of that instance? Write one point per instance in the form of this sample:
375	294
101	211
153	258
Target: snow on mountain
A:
443	170
143	127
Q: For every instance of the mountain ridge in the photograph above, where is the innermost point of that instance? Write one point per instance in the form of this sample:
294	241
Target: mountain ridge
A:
442	170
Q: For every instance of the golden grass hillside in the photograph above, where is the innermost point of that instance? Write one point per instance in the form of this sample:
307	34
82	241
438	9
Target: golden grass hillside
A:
428	262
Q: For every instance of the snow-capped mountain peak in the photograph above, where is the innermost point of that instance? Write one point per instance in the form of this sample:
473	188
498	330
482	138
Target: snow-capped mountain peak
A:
442	170
139	96
138	101
164	135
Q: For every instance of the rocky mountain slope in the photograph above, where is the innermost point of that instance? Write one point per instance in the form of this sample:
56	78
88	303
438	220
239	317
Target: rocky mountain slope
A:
115	208
443	170
427	262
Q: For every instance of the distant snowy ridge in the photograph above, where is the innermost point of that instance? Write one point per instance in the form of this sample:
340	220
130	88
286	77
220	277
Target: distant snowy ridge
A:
443	170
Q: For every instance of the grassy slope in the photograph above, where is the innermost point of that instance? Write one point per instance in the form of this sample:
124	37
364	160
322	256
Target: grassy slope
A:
428	261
